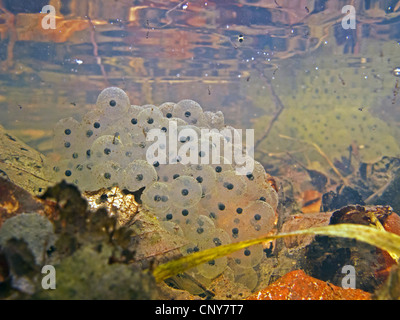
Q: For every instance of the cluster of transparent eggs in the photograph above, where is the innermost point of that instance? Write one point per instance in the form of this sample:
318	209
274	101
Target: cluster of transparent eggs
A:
209	204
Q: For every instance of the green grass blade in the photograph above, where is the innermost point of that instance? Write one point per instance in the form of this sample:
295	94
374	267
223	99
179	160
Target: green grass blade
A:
382	239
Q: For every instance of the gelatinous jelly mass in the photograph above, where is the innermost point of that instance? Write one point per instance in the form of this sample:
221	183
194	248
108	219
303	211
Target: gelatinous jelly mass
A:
206	202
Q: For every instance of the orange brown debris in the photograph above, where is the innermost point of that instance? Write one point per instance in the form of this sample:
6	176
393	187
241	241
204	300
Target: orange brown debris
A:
300	222
296	285
272	183
391	224
15	200
312	200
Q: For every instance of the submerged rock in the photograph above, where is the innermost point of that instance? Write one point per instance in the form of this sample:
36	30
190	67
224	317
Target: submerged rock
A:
297	285
87	274
36	230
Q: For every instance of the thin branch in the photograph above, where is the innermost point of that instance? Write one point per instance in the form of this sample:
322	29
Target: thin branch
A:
279	105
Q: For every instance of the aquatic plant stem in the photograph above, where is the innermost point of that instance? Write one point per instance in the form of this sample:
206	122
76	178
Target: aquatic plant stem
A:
384	240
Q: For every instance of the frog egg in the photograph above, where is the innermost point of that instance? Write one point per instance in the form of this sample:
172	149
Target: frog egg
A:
167	109
271	196
186	192
83	176
132	121
220	147
138	174
206	152
242	162
222	165
205	175
126	131
214	119
231	216
231	185
213	268
182	217
61	170
149	118
114	102
231	135
263	192
179	122
258	218
94	124
212	144
248	257
169	172
214	207
164	125
157	154
106	147
190	111
149	106
72	171
243	223
156	197
245	276
188	133
134	110
136	137
257	176
189	249
131	152
274	199
198	228
187	144
172	228
105	174
66	136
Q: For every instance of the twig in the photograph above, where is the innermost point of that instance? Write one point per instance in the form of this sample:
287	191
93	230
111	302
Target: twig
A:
12	33
96	47
321	153
279	105
171	10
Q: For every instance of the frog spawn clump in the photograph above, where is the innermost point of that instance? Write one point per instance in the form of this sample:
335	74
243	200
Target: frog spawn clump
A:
207	204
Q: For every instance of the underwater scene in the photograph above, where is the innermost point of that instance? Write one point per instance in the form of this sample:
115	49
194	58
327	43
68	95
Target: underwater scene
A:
199	150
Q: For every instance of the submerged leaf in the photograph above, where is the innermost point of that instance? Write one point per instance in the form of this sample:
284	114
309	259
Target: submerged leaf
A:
384	240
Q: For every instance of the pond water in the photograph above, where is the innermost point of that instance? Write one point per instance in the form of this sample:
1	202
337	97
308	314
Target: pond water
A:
317	82
296	71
